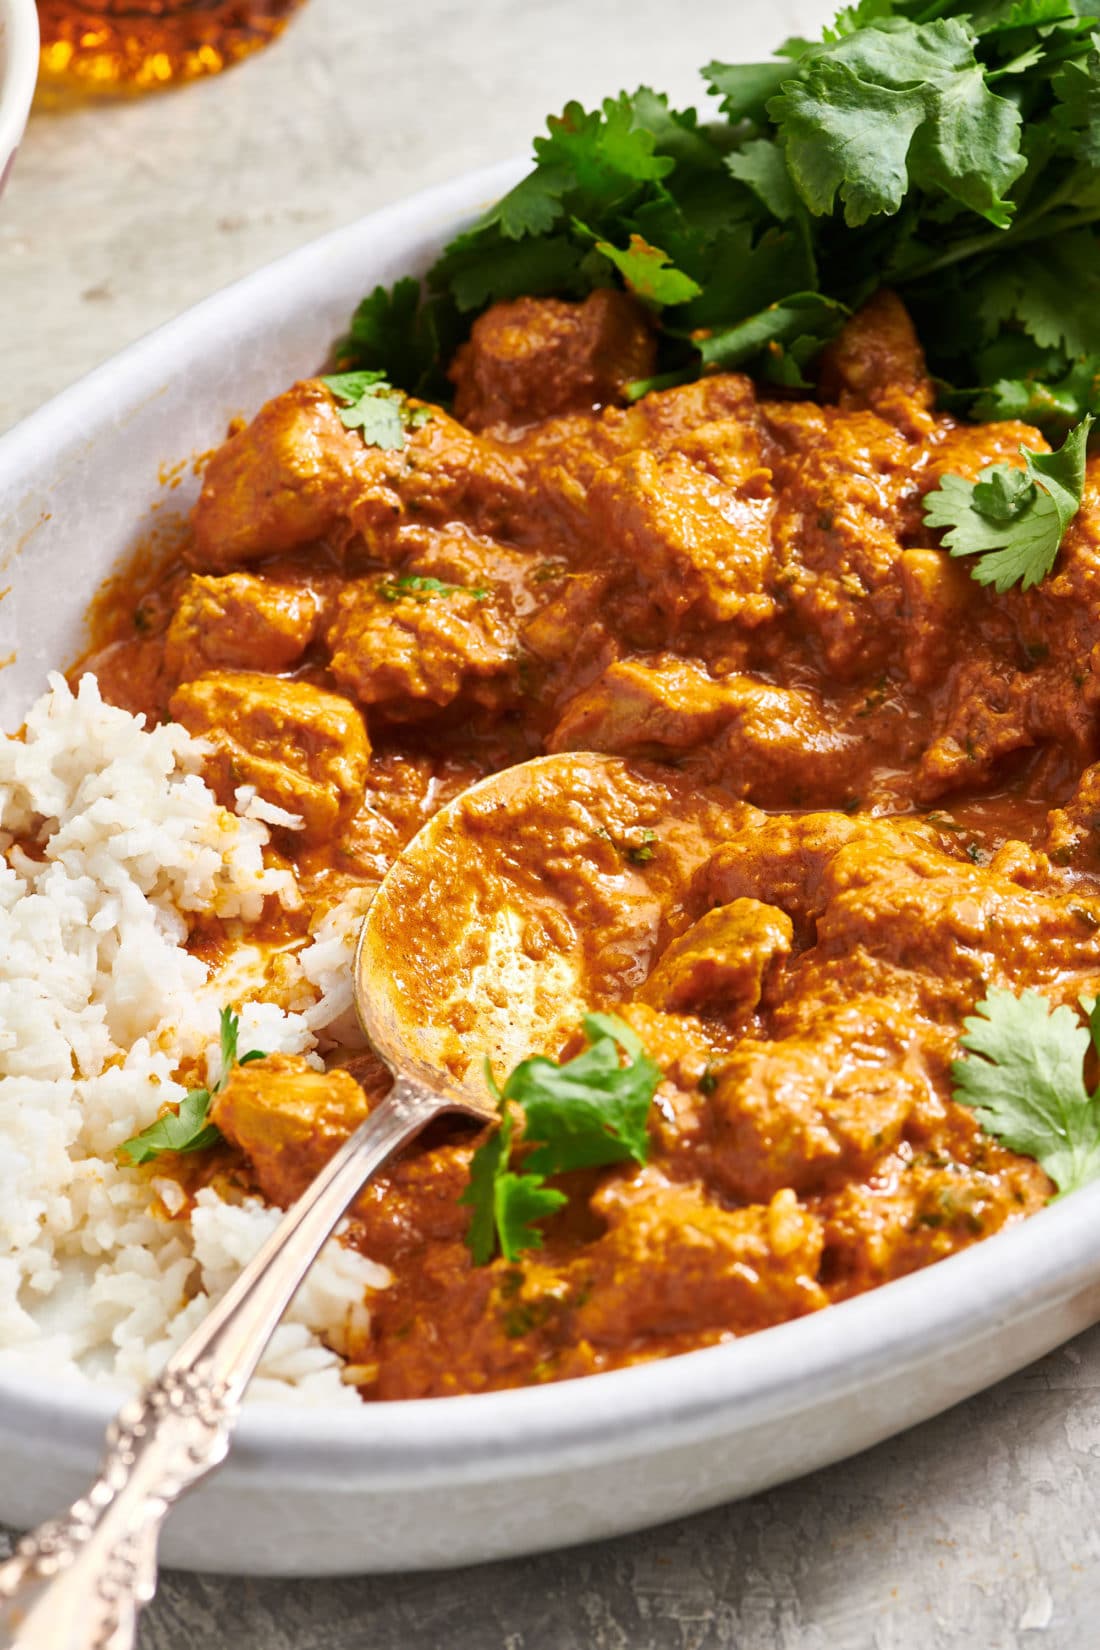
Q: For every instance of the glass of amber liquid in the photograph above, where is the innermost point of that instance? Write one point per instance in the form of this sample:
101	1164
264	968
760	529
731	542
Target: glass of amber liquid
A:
122	46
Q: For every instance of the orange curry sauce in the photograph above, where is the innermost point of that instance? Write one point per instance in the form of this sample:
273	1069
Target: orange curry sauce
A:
735	585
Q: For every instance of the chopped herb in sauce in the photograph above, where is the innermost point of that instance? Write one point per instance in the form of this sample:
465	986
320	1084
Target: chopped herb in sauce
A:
638	852
419	587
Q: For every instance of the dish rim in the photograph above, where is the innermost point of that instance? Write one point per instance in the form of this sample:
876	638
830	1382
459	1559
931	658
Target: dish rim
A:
913	1321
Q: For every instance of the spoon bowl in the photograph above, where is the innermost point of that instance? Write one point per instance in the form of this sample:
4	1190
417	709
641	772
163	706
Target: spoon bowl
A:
537	894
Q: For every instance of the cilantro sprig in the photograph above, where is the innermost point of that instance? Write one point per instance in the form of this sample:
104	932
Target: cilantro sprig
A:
187	1129
371	405
505	1204
1024	1078
1013	520
947	148
587	1112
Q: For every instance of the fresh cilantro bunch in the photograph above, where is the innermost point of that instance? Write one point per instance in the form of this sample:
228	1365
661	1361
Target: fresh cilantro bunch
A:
187	1130
1025	1081
1013	520
587	1112
948	148
371	405
638	194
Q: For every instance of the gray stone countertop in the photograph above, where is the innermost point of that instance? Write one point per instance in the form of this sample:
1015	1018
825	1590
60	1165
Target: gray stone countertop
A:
980	1529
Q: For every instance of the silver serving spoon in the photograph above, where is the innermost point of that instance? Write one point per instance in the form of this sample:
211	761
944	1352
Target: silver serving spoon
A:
469	949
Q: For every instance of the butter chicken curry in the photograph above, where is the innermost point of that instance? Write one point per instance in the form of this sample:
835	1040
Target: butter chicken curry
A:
857	782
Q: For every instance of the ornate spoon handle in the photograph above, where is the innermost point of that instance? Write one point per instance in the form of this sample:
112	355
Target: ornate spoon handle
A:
79	1581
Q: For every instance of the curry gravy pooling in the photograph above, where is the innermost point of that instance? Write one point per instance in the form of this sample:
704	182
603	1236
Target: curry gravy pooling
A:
874	801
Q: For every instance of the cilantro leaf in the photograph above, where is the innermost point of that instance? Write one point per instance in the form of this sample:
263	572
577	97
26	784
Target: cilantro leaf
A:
642	852
584	1113
745	88
505	1205
893	104
187	1130
229	1027
1062	473
404	335
591	1110
486	1166
383	320
745	272
532	207
350	387
1006	495
384	333
607	151
1013	520
851	18
795	327
762	166
1025	1082
518	1201
184	1131
636	853
677	133
646	271
869	131
998	16
1053	402
375	408
1054	294
378	419
477	269
778	343
1076	116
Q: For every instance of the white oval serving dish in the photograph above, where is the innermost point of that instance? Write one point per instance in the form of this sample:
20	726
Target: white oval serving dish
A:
453	1481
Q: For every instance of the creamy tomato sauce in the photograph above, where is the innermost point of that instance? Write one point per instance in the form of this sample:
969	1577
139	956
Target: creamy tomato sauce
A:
735	589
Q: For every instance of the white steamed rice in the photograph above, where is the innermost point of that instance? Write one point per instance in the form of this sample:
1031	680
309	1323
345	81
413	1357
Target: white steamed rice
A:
110	840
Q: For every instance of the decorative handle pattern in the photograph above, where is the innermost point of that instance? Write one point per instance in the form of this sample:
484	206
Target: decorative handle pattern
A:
79	1581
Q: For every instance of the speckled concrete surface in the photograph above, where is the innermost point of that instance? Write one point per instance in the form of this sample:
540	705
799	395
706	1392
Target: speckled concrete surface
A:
979	1530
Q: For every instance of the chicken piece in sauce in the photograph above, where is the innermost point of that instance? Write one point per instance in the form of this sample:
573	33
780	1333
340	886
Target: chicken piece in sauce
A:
412	648
288	1119
534	358
296	476
721	964
239	622
304	750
